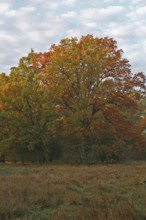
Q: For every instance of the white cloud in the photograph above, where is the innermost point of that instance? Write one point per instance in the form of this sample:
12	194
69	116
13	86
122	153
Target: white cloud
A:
102	14
122	31
53	4
4	7
137	1
91	24
69	14
10	13
69	2
141	10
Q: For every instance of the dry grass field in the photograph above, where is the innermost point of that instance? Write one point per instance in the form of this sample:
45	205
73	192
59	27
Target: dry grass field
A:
64	192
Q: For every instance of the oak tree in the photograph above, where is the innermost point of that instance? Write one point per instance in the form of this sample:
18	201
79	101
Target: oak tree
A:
96	91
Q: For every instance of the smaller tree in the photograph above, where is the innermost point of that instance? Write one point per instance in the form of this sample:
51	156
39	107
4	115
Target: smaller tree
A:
27	114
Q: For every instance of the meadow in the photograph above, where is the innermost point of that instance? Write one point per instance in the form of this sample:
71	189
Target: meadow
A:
65	192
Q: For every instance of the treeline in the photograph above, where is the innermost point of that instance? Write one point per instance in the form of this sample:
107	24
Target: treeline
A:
79	102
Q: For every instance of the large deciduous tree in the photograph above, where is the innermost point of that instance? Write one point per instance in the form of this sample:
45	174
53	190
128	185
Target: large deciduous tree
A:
96	92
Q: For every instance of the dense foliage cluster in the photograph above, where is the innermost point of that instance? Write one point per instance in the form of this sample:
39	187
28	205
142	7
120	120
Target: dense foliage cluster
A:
78	102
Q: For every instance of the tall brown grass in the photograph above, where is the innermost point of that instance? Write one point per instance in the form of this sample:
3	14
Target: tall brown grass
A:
62	192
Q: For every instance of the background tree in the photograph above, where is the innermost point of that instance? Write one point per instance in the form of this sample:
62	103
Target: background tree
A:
27	113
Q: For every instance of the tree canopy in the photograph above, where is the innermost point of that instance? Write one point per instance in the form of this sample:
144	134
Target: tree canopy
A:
79	101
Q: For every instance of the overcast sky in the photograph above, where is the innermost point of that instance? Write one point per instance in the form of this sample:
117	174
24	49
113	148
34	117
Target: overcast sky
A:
26	24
